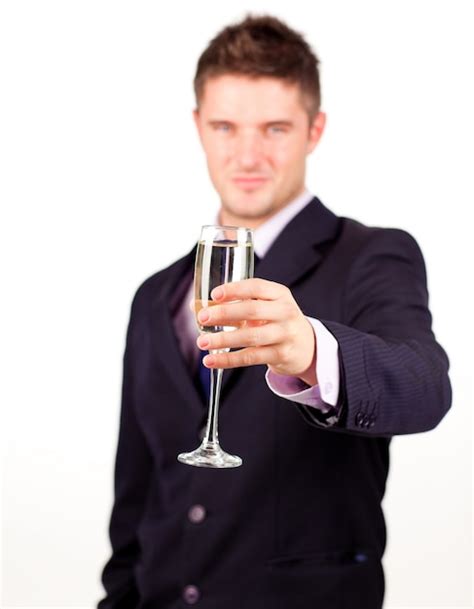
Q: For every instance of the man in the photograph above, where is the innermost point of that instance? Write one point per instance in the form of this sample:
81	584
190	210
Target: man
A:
340	358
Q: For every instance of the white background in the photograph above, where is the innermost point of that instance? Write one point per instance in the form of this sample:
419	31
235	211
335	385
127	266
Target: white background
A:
103	183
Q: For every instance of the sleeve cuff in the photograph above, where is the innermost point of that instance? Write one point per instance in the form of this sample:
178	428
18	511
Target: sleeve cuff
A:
327	362
322	396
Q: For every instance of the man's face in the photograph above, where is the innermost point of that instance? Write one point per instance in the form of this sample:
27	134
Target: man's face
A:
256	135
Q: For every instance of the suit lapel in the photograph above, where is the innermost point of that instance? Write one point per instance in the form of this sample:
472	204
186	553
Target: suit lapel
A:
299	247
164	337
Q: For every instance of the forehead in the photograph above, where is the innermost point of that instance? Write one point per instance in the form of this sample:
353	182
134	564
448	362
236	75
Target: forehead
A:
246	99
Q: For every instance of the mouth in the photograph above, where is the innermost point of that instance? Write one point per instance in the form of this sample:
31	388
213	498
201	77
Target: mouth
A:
249	182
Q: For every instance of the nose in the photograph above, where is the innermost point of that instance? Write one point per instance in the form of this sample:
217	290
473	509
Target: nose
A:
249	150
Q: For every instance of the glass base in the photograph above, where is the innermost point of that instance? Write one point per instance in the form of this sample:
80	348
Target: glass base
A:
210	455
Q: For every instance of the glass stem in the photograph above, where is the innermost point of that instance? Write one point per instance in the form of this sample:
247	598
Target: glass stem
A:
211	436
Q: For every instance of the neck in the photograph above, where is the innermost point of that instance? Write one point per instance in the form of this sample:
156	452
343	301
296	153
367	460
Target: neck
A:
227	218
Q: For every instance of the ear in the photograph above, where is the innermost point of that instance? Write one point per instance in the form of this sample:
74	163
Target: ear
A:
316	131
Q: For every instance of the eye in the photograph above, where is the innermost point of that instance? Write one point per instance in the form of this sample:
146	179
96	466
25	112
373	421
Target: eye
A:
222	127
277	129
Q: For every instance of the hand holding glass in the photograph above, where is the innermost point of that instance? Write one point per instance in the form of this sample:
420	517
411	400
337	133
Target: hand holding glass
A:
224	254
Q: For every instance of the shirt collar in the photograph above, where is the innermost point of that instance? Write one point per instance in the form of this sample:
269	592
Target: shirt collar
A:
266	234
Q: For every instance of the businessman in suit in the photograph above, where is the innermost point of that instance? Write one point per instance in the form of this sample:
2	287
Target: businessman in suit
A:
336	356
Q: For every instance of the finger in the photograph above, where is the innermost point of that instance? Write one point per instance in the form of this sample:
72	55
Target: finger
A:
254	336
249	288
250	356
247	310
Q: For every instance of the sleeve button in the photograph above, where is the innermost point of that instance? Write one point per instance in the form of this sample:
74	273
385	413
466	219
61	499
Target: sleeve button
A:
191	595
196	514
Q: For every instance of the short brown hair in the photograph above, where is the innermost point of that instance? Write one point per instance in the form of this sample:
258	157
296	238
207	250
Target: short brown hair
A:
258	47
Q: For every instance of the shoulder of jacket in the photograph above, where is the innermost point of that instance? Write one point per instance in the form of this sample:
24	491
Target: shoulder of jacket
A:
150	288
361	235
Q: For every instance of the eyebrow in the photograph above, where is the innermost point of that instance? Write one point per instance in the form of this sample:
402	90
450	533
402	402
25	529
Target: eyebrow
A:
285	121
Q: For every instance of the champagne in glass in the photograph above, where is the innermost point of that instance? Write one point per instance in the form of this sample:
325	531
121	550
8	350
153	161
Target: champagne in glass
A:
224	254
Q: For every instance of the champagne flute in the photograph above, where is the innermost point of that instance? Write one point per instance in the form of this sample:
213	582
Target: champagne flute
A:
224	254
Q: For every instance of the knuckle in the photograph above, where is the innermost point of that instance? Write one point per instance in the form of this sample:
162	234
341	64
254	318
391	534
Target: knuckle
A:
293	310
221	312
280	335
284	354
215	341
288	309
286	292
247	358
255	336
221	360
273	356
293	333
253	309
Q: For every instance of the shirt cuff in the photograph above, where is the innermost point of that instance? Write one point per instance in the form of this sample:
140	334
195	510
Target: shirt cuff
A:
326	393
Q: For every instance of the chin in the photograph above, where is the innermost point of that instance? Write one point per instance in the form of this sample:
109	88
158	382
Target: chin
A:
251	205
250	212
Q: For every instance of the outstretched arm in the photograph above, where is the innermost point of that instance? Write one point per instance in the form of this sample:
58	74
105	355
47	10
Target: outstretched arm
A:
393	373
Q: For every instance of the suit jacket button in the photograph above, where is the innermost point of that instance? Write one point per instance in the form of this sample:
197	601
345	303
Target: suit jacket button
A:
191	595
359	418
196	514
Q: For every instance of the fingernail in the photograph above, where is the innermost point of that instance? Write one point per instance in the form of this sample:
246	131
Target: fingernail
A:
203	315
203	342
217	293
209	361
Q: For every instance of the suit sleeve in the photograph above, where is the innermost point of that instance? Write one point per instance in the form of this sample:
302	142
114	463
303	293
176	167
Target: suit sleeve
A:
132	473
394	375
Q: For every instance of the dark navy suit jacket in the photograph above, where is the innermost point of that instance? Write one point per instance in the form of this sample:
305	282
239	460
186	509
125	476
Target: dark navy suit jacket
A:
300	524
